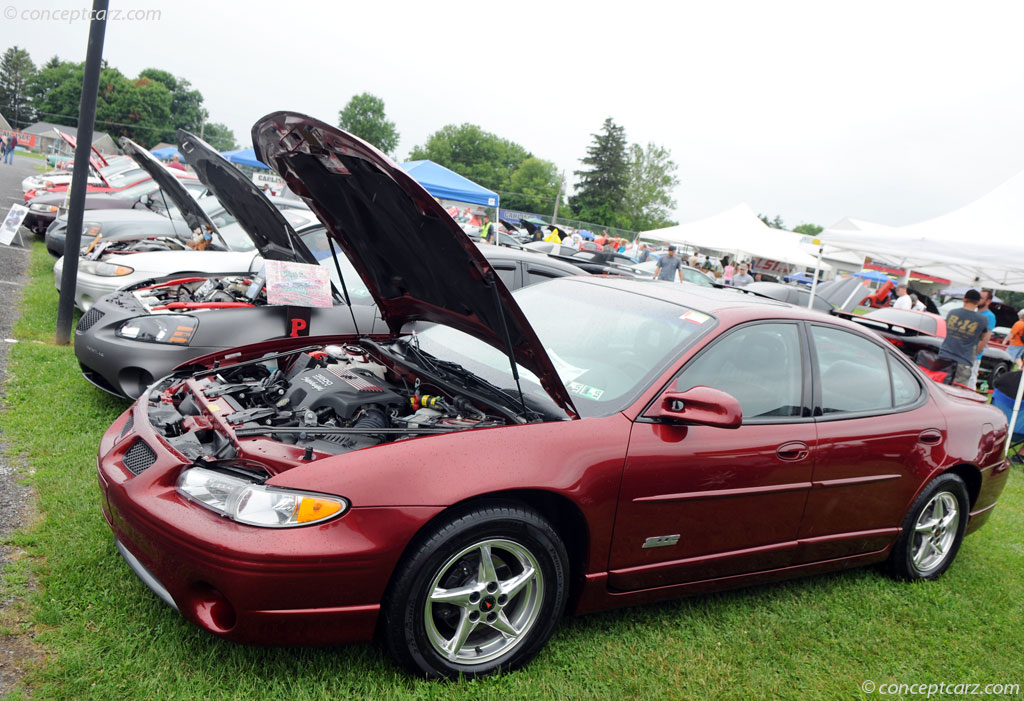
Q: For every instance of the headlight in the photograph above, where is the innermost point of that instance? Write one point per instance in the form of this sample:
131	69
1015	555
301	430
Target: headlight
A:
163	328
42	208
97	267
257	504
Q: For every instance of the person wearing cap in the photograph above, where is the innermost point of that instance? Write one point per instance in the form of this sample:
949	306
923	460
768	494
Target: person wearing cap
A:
742	278
967	332
667	265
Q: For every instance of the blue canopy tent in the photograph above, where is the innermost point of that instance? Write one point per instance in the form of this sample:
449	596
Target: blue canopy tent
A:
872	275
245	157
449	185
167	153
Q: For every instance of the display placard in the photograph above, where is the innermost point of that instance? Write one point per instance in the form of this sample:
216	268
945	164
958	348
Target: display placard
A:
12	222
298	284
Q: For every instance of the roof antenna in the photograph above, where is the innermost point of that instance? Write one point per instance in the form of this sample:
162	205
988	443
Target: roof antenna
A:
493	280
344	289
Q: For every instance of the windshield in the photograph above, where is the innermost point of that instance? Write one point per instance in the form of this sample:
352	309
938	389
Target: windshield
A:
128	177
136	191
316	242
607	345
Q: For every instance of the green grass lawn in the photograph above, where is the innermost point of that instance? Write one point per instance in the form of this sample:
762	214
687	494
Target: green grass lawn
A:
107	637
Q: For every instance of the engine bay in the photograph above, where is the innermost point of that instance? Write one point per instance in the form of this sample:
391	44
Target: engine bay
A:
309	404
248	289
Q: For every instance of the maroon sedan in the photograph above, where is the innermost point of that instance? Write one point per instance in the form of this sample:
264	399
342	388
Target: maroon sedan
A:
584	444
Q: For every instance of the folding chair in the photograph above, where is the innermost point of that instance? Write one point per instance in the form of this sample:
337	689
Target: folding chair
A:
1004	403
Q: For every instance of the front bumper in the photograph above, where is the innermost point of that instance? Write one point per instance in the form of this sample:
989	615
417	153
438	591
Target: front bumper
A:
298	586
122	366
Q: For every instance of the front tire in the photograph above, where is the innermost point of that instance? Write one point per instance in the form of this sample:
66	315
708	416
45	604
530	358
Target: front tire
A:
932	530
482	593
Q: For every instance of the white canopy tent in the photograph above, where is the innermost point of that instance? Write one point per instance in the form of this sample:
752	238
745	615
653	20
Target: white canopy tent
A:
982	243
738	230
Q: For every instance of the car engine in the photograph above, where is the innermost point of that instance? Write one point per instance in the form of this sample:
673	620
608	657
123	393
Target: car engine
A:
327	400
241	289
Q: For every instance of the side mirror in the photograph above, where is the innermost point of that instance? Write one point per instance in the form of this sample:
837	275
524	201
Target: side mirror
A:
704	406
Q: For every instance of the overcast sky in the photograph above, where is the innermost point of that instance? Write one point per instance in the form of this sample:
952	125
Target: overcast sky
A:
892	112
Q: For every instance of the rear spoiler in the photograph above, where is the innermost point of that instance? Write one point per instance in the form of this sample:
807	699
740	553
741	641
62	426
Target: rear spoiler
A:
877	324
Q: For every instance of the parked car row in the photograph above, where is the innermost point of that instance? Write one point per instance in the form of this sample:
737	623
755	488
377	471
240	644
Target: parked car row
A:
453	465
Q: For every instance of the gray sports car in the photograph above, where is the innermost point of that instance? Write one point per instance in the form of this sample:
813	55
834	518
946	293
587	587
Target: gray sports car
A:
141	332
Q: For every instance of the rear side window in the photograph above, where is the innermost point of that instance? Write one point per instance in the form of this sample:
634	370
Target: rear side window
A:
854	372
905	387
760	365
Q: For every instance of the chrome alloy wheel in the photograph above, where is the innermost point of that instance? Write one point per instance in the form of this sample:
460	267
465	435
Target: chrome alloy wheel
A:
483	601
935	532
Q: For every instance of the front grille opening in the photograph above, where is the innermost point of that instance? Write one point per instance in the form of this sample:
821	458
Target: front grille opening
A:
88	319
139	457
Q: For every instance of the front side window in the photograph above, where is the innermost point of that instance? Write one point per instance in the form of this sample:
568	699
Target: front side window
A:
760	365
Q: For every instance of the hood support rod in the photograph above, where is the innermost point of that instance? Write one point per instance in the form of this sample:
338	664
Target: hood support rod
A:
344	289
492	279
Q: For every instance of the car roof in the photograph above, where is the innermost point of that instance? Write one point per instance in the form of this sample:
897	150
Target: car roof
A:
494	253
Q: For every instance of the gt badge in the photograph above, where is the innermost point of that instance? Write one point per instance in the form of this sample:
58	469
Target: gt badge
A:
660	541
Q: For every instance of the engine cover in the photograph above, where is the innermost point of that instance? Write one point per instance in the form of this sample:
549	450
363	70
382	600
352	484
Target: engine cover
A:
340	388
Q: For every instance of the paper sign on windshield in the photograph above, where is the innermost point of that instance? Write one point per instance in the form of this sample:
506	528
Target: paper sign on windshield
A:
298	284
12	222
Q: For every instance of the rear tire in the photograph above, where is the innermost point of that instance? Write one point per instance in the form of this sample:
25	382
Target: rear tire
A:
481	594
932	530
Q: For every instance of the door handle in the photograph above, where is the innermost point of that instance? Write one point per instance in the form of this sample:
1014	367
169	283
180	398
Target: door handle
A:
930	436
793	451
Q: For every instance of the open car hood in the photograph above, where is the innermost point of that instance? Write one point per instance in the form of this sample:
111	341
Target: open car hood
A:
193	214
263	222
96	159
843	293
413	257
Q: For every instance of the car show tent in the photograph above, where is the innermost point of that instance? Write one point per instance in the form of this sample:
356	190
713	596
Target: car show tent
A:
739	230
449	185
167	153
981	244
245	157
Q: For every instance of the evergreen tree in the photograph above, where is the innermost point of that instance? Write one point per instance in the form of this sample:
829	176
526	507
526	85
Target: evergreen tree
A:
16	70
601	191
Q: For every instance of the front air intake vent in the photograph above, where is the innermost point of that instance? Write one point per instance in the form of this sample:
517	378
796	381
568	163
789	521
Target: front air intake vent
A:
139	457
87	321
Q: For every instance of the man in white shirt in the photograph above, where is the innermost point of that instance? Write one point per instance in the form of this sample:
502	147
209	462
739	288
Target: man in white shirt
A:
903	300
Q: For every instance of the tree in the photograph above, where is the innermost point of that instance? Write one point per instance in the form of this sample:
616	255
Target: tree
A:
219	136
775	223
16	71
473	153
186	109
808	229
364	116
533	187
652	178
601	191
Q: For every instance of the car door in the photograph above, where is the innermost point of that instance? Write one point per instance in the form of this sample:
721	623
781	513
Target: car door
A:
699	502
876	433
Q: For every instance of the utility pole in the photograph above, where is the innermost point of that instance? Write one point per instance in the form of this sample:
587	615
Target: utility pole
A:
558	197
86	121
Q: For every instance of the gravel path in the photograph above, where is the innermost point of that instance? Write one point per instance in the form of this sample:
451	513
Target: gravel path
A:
15	499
